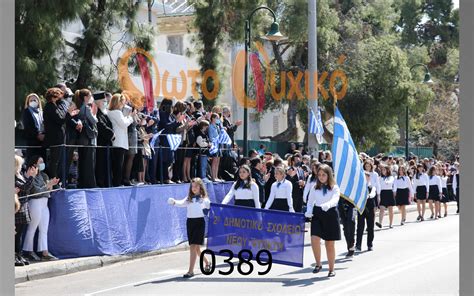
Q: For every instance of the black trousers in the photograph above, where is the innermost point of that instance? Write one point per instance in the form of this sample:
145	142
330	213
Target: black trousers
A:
86	167
118	155
457	197
297	203
178	164
368	216
55	166
348	222
19	228
102	172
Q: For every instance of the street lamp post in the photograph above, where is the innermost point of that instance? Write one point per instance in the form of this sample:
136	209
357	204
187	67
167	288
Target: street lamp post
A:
427	79
273	35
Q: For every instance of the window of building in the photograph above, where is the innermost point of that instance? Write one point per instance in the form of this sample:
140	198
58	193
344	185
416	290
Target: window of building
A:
175	44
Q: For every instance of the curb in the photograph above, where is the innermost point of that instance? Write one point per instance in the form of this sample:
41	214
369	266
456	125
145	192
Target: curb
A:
63	267
68	266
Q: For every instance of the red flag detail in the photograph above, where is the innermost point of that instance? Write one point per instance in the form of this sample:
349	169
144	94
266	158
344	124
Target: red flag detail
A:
258	79
147	82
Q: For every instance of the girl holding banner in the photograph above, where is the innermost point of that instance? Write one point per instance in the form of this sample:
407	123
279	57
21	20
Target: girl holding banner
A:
322	208
195	202
245	191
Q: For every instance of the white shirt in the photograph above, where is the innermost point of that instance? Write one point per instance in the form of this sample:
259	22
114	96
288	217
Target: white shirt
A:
436	180
422	181
373	192
444	182
243	194
307	188
120	124
325	201
402	183
194	207
386	183
374	181
284	191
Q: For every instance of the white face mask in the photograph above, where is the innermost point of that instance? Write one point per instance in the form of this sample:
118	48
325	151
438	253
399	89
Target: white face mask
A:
33	104
42	166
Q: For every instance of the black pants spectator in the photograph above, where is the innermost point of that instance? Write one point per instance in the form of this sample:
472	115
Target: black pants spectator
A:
178	164
118	155
457	198
368	216
102	167
19	228
348	222
86	170
55	166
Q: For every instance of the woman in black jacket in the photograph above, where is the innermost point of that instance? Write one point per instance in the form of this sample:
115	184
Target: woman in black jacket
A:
32	118
54	116
87	138
256	167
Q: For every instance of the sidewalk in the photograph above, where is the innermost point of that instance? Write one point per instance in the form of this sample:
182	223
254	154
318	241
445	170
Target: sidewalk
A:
42	270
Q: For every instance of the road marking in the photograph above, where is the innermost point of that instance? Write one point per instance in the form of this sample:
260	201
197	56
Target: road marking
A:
381	273
387	274
130	284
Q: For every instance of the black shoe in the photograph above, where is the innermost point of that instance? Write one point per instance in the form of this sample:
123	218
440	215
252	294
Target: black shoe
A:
457	212
358	249
350	254
18	261
31	256
188	275
48	257
418	218
422	219
317	269
390	227
432	216
370	249
445	215
331	274
207	268
439	216
127	183
24	260
378	224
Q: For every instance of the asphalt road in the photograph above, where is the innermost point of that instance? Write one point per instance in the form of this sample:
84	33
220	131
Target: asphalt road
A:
414	259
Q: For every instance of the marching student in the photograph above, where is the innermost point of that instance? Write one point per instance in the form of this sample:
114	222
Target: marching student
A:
370	167
367	216
435	193
444	187
310	181
245	191
421	183
195	202
387	198
280	198
403	192
322	208
456	185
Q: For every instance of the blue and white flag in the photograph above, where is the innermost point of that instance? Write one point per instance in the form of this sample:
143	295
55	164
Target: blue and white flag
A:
348	171
316	125
153	140
224	138
174	140
214	147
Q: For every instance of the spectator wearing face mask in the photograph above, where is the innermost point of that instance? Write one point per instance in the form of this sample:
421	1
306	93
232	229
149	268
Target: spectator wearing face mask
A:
105	136
39	213
32	119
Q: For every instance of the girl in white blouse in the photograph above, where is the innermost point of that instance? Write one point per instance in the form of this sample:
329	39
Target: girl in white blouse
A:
280	198
387	198
322	208
244	191
444	186
403	192
195	202
435	193
421	184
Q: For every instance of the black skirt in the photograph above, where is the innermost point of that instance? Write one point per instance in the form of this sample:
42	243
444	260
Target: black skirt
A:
280	204
445	197
195	228
421	192
249	203
386	198
326	224
434	193
403	197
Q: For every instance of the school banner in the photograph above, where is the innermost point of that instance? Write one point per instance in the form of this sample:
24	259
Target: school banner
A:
237	228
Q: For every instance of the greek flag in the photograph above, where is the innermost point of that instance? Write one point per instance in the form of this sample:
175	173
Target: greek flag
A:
224	138
153	140
316	125
348	169
174	140
214	147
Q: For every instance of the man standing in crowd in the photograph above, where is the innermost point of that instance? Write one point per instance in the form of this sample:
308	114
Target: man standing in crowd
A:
230	128
105	137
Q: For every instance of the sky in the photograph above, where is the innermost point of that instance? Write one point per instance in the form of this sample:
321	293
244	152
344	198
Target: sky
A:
456	3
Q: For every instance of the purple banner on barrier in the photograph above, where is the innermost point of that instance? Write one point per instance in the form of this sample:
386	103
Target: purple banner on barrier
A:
239	228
